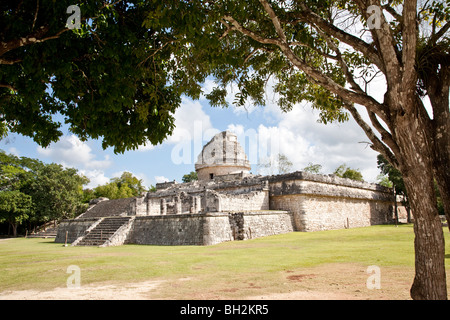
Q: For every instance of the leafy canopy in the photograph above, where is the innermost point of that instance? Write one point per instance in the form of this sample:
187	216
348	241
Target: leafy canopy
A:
344	171
124	186
103	80
35	192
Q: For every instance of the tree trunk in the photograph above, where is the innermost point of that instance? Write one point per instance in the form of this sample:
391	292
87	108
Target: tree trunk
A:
430	279
438	93
14	229
417	170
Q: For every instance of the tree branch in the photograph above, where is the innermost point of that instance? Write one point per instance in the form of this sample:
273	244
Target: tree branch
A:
35	15
306	15
385	135
435	37
378	145
5	85
347	73
35	37
387	49
392	11
250	33
323	54
409	46
314	74
275	21
10	62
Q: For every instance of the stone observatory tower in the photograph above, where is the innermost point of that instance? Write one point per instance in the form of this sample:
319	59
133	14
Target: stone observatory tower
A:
221	156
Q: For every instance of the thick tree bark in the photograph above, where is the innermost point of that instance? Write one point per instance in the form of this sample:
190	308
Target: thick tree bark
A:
416	165
438	92
430	279
14	229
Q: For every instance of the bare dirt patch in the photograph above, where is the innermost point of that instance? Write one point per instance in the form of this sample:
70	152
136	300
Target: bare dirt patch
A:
300	277
133	291
336	281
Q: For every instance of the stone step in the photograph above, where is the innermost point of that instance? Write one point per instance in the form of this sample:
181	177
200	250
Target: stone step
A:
103	231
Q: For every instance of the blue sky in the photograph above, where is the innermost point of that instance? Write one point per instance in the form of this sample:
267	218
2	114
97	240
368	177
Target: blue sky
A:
296	134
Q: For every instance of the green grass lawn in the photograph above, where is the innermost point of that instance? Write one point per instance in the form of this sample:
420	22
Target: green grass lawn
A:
41	264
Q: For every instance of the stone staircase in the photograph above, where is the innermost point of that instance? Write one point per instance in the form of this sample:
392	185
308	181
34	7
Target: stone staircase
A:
102	233
48	230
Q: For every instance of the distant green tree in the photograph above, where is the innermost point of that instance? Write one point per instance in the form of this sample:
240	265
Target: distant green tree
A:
88	195
278	164
383	180
191	176
15	208
130	184
395	177
284	164
125	186
392	174
313	168
34	192
345	172
57	192
109	190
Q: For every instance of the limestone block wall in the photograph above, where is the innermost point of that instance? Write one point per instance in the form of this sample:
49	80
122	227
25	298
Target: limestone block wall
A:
216	228
138	207
153	205
254	200
209	228
220	170
327	202
183	229
250	225
75	227
314	213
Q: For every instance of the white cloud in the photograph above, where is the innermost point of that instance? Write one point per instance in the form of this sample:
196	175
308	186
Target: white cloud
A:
146	147
299	136
304	140
160	179
232	89
146	182
13	151
70	151
193	129
96	178
190	121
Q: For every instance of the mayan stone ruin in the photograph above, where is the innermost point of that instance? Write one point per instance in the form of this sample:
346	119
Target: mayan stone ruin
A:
229	203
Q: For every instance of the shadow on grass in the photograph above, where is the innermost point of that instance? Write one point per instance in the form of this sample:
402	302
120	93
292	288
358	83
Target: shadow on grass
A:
50	242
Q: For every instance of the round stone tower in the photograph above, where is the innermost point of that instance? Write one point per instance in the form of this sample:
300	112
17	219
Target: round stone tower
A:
220	156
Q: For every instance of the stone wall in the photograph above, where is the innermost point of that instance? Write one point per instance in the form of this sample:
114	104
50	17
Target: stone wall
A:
220	171
210	212
75	228
327	202
216	228
209	228
243	195
250	225
251	201
183	229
